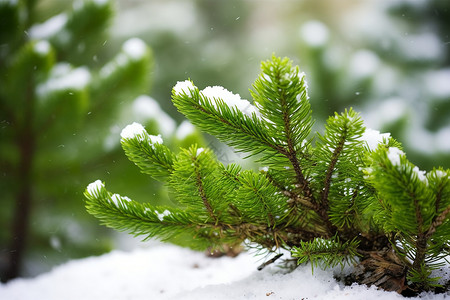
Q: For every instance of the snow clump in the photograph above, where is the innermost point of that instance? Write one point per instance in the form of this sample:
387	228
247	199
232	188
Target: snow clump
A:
420	174
183	87
94	187
394	155
199	151
116	199
136	130
373	138
213	93
162	215
132	131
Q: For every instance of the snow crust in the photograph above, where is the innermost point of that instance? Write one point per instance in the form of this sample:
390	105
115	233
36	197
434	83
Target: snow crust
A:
168	272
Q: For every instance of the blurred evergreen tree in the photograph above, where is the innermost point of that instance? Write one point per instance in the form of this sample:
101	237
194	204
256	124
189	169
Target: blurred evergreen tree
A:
62	97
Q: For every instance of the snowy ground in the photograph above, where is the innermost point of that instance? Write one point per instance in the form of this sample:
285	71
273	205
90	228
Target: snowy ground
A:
168	272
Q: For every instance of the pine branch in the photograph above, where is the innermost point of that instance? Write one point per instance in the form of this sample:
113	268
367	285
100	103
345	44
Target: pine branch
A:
438	222
201	190
147	152
326	253
280	88
328	203
230	125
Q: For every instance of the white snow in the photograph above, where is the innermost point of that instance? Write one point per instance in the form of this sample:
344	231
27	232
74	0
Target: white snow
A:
117	199
63	77
232	100
423	46
94	187
385	112
199	151
145	108
49	28
132	50
133	130
420	174
437	82
364	63
314	33
136	130
155	139
42	47
442	139
183	87
394	155
168	272
185	129
135	48
373	138
101	2
162	215
10	2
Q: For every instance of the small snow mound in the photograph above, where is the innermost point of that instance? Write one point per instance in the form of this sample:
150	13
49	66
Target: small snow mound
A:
132	130
183	87
394	155
232	100
199	151
373	138
155	139
94	187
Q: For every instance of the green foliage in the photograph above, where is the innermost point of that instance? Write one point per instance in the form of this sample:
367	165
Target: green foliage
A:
61	94
343	196
326	253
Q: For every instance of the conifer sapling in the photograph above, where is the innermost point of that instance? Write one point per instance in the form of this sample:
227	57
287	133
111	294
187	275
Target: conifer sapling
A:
347	195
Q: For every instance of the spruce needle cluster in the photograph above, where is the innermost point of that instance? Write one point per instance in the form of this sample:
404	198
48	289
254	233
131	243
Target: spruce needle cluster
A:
348	195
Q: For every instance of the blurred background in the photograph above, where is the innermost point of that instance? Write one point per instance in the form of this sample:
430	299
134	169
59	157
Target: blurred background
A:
74	73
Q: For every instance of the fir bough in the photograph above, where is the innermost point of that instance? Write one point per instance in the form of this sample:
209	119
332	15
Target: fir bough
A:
348	195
